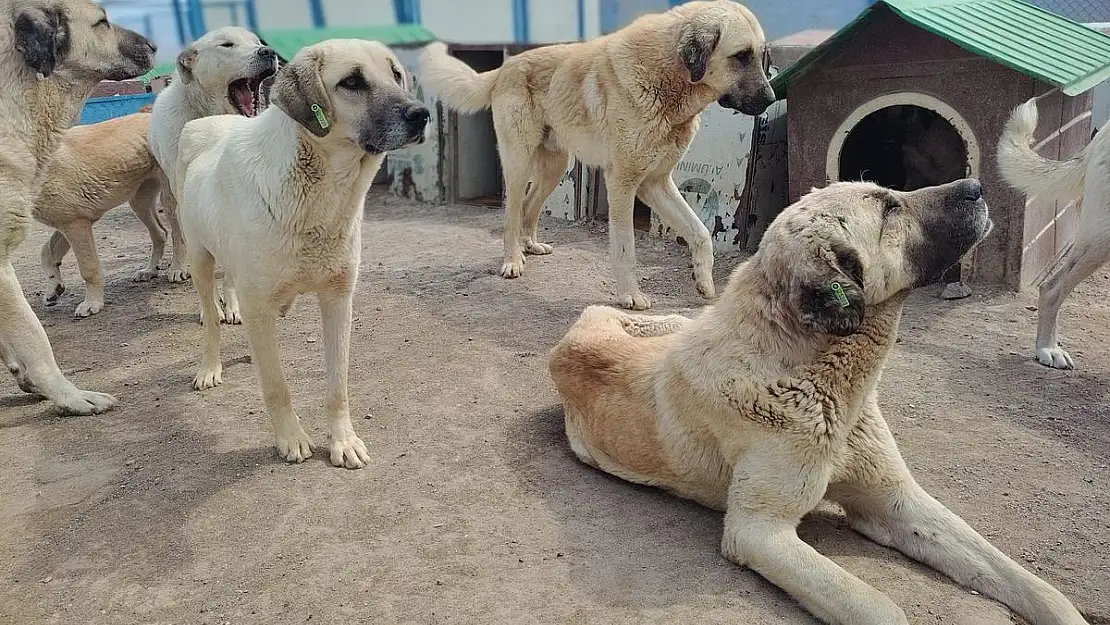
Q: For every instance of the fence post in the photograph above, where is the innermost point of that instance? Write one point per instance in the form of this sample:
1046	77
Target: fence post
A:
581	20
196	18
407	11
252	16
316	7
521	19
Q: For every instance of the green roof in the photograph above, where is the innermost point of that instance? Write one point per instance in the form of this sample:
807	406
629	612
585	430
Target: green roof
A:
164	69
1025	38
287	42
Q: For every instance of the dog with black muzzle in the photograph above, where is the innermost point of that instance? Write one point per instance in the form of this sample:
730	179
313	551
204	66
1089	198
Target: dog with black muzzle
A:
277	200
227	71
766	403
52	54
629	103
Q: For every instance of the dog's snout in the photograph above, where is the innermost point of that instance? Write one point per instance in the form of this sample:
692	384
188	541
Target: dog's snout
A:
971	189
266	52
417	115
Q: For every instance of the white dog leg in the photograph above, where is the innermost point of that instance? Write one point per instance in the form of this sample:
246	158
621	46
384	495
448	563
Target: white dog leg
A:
548	168
27	353
1082	260
177	271
345	447
53	251
292	443
767	499
210	372
622	246
231	301
663	196
144	205
884	503
80	236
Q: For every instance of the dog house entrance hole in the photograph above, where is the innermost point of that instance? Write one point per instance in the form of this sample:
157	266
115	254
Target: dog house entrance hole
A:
477	165
904	147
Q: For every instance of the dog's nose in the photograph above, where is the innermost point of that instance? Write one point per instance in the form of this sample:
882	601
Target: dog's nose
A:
266	52
417	115
971	188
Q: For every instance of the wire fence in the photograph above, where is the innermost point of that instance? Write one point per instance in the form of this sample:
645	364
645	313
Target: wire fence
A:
1085	11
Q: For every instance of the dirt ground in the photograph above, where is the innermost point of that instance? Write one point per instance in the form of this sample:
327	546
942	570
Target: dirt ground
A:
173	508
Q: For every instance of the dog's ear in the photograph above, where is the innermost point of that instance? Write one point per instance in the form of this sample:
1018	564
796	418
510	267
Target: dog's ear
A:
828	293
42	38
696	43
186	60
299	91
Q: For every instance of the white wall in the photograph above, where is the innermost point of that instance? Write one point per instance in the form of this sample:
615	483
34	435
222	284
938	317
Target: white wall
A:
470	21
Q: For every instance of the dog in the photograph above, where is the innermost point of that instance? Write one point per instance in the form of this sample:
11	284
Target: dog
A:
628	102
1084	180
52	54
766	403
226	71
95	169
278	201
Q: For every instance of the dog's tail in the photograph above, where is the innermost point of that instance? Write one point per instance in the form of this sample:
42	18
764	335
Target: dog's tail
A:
1031	173
459	86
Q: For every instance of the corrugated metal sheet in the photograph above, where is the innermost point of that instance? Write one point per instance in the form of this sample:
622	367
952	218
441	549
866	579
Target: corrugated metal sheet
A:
1030	40
287	42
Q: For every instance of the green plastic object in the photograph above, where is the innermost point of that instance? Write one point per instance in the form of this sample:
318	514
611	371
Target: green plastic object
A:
287	42
1018	35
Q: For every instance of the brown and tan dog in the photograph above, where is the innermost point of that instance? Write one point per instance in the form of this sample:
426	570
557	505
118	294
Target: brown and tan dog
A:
627	102
766	403
97	168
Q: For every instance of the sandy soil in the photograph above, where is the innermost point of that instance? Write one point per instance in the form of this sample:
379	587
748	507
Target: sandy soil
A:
174	509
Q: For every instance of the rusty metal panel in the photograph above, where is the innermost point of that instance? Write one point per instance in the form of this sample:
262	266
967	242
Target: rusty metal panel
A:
767	191
712	176
416	172
568	200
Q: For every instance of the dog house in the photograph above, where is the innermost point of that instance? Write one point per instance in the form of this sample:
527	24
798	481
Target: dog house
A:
916	92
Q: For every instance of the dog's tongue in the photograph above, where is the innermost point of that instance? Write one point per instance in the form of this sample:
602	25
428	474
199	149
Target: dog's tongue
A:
241	91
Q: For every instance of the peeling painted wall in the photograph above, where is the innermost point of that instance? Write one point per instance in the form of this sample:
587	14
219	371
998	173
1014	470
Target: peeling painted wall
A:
415	172
712	177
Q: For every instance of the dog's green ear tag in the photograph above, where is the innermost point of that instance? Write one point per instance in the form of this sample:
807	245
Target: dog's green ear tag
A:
838	293
320	117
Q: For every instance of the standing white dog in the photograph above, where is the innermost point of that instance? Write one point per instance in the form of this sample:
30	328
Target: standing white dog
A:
1084	180
278	200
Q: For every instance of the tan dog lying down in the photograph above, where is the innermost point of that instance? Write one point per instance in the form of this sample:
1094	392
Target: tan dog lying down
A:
766	402
97	168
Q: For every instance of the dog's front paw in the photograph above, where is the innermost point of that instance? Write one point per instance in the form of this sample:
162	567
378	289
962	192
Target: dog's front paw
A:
634	301
513	268
86	402
87	309
54	290
231	314
706	289
178	275
144	275
538	249
349	452
294	447
208	378
1056	357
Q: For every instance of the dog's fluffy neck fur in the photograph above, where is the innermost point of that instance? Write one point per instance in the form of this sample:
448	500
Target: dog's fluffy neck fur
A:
305	166
198	102
669	95
40	110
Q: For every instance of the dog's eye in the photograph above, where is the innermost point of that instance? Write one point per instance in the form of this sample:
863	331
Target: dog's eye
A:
102	23
227	44
891	207
354	82
398	77
744	56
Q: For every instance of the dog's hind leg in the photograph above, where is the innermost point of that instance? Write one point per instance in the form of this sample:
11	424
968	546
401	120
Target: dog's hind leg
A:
293	444
547	170
145	206
210	373
53	251
661	194
516	190
177	270
345	447
80	235
27	353
885	503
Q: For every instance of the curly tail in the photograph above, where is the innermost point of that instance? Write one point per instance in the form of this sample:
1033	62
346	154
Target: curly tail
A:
459	86
1031	173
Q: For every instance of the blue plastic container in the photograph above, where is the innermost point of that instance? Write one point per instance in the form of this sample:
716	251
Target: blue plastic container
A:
100	109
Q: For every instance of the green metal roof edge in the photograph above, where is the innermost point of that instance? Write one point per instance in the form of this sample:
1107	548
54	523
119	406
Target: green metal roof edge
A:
1071	88
286	42
165	69
782	80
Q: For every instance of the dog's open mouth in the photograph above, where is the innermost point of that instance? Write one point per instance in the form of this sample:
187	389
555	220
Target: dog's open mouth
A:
247	94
